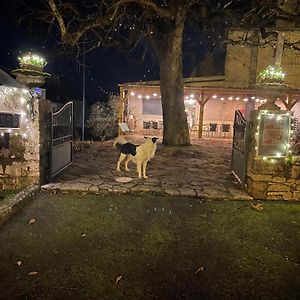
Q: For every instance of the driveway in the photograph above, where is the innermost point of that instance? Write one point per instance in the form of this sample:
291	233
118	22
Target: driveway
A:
201	170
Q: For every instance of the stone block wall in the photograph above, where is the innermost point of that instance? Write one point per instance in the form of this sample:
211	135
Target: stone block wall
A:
244	62
19	147
273	186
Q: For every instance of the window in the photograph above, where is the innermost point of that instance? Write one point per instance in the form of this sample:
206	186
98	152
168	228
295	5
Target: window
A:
152	106
9	120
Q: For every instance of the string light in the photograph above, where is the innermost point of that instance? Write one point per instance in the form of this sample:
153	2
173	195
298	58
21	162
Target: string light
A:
272	74
277	117
18	101
99	87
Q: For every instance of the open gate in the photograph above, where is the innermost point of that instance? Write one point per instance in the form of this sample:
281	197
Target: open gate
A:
62	138
239	147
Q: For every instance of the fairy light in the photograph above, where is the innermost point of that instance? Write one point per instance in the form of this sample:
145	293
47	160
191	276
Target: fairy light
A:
272	74
17	101
285	146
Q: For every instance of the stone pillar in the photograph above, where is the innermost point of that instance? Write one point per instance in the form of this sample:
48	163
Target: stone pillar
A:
45	109
273	178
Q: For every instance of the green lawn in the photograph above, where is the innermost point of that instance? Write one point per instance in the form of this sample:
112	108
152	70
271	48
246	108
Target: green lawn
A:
6	193
79	245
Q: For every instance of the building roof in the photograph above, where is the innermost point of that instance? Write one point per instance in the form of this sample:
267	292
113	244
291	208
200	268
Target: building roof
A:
6	79
209	80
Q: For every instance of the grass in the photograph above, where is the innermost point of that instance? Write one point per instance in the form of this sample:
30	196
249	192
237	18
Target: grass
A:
79	245
6	193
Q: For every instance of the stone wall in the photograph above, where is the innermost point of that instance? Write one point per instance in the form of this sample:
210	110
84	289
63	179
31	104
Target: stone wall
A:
273	186
19	150
244	63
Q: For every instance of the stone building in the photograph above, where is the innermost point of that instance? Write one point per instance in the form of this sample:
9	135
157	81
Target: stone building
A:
211	101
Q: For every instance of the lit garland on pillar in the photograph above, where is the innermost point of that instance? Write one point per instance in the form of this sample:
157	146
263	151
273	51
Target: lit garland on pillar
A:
272	75
31	64
285	147
17	101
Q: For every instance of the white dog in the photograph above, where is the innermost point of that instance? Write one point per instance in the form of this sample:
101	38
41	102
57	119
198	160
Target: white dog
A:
138	154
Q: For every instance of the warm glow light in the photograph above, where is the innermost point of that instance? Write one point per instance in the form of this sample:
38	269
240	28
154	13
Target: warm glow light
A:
237	98
246	99
230	98
140	96
214	96
132	93
192	96
154	94
147	97
222	98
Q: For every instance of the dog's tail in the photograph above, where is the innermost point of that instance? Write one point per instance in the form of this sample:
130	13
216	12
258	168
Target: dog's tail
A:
118	142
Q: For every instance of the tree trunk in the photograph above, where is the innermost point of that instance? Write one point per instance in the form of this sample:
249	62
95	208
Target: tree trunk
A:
176	131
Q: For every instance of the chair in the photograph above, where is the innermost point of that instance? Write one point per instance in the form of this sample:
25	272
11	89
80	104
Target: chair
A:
213	129
225	130
124	127
146	127
155	128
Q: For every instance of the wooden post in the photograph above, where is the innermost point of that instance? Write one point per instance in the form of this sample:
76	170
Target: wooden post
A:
202	101
279	49
289	103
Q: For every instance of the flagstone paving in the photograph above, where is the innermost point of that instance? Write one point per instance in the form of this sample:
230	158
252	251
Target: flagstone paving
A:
201	170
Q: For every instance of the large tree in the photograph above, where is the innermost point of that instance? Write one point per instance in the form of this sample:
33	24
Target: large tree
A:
162	24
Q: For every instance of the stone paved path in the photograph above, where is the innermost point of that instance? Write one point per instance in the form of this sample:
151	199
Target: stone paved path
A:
202	170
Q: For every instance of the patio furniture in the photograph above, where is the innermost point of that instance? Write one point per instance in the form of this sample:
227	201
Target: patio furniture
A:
213	129
225	130
124	127
146	127
155	128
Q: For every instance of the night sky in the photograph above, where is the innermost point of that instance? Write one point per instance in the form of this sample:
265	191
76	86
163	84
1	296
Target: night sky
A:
106	68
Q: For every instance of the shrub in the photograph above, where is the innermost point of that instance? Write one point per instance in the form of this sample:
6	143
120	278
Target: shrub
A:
103	120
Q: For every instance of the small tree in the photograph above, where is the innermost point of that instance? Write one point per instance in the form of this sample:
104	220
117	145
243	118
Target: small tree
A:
103	120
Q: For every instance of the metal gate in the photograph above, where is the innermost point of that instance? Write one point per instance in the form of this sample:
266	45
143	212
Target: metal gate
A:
239	147
62	138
